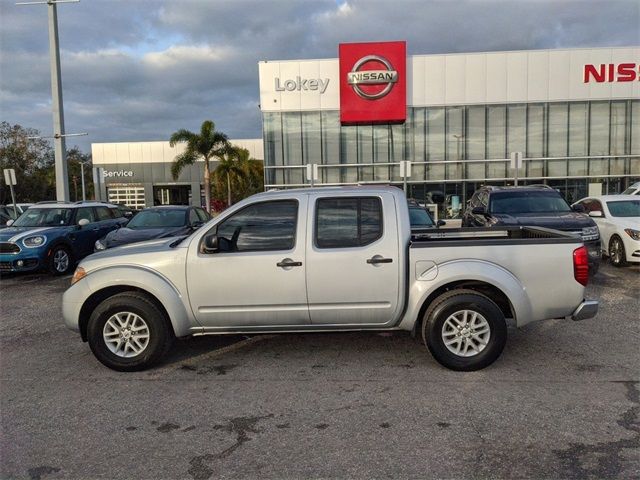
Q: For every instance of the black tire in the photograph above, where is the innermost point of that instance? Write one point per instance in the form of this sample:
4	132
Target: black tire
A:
454	301
159	330
617	258
55	266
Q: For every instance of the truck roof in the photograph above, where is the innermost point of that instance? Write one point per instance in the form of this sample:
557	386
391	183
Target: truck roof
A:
347	189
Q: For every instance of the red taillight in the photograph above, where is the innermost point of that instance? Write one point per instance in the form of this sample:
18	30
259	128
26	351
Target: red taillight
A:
581	265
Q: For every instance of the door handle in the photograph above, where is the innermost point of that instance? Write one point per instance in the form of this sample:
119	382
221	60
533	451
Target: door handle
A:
376	259
287	263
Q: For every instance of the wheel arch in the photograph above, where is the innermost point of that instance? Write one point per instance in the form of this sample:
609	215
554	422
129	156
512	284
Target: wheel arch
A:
492	292
107	282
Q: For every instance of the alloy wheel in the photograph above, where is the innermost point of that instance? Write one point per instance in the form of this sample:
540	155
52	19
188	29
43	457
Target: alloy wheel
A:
466	333
126	334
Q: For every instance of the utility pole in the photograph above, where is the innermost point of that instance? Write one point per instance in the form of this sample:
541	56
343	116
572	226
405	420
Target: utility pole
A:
62	182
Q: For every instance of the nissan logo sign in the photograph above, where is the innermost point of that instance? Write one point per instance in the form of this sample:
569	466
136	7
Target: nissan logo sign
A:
357	77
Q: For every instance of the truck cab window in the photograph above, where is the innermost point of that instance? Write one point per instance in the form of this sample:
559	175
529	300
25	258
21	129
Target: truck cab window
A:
347	222
259	227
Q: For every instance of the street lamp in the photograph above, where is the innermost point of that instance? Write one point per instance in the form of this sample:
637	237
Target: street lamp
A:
62	182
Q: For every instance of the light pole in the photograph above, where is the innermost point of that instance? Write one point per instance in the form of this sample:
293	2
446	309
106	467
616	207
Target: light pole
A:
62	182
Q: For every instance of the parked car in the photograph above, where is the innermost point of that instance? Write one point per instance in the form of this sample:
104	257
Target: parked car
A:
419	217
327	259
633	189
8	210
535	206
125	210
156	222
4	217
54	236
618	219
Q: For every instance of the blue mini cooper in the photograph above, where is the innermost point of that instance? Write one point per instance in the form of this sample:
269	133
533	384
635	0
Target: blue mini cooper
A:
54	236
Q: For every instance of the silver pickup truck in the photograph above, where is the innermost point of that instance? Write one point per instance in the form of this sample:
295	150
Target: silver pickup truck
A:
327	259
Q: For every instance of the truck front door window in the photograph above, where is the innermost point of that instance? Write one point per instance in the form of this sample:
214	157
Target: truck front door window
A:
260	227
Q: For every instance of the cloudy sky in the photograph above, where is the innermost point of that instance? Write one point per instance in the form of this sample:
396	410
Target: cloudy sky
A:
136	70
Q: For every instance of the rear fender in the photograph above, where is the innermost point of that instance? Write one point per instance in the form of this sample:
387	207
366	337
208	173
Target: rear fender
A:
466	270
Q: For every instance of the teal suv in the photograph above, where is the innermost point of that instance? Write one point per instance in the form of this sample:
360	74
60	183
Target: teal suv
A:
54	236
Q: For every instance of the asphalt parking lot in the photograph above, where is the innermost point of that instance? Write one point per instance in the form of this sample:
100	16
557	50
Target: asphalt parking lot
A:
563	401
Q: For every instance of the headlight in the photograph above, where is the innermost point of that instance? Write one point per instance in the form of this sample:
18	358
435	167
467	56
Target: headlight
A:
635	234
35	241
79	274
99	245
590	233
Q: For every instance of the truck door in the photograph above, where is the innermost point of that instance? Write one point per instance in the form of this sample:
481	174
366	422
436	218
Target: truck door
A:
257	277
353	260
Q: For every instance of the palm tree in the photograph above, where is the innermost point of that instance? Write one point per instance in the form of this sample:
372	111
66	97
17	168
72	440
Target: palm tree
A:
230	168
207	145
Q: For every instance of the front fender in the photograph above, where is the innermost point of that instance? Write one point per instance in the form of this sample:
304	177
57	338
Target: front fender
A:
151	281
438	276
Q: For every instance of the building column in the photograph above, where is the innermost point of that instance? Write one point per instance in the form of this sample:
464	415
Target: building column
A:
195	194
148	194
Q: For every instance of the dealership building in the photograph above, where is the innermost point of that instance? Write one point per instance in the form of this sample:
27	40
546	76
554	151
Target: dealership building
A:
573	114
138	174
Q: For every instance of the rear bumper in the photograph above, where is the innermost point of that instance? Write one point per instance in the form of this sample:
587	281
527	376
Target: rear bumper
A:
587	309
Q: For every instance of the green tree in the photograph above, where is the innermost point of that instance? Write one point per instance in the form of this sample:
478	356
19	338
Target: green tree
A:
74	158
238	174
31	158
208	144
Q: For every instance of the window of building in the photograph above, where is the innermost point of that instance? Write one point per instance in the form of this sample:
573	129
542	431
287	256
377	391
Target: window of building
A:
259	227
347	222
599	129
558	130
578	128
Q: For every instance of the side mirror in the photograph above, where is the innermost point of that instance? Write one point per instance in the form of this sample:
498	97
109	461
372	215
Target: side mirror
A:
210	244
441	223
578	207
83	222
479	211
10	222
596	214
196	225
128	215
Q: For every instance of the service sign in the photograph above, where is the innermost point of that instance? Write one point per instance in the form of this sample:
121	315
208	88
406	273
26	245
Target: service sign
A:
373	82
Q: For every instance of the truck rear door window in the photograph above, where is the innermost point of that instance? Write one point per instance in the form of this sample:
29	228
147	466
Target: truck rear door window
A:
347	222
259	227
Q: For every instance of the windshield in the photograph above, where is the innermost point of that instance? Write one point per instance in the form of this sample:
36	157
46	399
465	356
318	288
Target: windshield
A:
624	208
632	190
528	202
419	217
158	218
44	217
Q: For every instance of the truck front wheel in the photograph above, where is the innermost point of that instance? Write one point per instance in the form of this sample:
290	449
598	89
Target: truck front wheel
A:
128	332
464	330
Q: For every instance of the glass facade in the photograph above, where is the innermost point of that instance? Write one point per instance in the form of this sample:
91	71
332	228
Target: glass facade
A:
454	149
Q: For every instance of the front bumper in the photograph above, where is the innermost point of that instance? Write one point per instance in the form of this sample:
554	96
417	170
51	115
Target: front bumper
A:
19	263
72	301
587	309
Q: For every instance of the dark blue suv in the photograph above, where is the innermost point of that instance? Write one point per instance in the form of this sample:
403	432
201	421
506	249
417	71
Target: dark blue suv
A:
54	236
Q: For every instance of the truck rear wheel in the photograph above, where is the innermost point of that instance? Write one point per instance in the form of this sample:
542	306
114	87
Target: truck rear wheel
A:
464	330
128	332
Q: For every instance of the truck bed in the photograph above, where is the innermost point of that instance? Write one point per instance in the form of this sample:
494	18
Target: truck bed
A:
423	238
